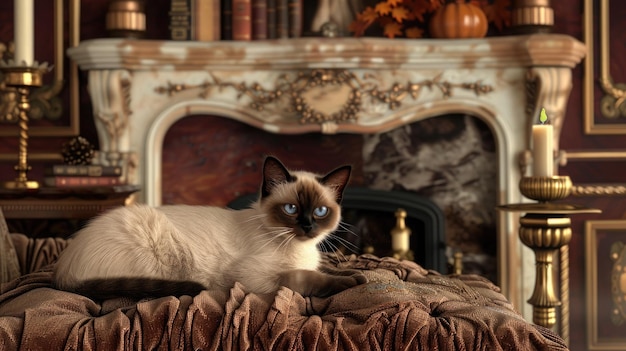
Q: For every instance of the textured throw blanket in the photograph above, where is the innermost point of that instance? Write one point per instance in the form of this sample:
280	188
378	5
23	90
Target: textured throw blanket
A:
402	307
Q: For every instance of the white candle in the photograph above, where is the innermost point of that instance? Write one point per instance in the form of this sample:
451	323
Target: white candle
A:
24	36
543	162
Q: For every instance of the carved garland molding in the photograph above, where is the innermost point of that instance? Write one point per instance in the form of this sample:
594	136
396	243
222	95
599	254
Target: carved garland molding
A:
293	88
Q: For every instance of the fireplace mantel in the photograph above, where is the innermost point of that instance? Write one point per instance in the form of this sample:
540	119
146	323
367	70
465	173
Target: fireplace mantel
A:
139	88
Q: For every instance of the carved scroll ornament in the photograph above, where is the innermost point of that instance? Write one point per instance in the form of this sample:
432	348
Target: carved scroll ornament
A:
302	90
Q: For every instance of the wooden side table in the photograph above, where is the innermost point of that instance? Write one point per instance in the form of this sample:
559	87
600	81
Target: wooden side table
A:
66	204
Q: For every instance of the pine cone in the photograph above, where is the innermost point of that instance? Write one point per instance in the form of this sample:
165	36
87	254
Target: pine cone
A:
77	151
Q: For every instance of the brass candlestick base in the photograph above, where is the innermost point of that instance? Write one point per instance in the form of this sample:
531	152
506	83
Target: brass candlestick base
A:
404	255
546	228
22	79
544	234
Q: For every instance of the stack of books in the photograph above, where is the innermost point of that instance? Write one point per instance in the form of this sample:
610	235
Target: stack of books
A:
83	176
210	20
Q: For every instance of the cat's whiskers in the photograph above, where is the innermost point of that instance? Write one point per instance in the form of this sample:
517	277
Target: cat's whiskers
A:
277	231
271	236
348	244
285	242
256	217
334	249
345	227
265	242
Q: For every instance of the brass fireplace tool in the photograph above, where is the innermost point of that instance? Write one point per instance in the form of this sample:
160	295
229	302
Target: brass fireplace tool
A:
22	79
546	228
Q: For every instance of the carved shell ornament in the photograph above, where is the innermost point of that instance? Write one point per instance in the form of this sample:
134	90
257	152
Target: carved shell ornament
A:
341	91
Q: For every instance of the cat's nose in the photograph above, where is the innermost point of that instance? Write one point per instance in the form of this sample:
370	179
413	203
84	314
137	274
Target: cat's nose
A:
307	228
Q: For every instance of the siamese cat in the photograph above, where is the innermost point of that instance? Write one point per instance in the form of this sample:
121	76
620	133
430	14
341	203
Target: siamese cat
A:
141	251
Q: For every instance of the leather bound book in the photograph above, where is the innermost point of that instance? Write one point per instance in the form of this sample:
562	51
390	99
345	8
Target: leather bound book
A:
271	19
295	18
242	19
69	182
259	19
282	18
206	20
180	19
227	20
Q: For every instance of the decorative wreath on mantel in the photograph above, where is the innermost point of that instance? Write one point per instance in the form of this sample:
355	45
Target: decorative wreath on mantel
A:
423	18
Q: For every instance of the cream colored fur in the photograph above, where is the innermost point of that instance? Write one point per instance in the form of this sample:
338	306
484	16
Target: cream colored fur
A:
185	243
209	245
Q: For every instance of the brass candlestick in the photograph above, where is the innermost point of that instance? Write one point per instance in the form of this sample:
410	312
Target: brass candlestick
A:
546	228
22	79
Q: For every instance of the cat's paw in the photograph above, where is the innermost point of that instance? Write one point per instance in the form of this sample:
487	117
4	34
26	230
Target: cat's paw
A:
338	283
315	283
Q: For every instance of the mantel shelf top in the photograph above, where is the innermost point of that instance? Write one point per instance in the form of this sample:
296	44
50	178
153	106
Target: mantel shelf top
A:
371	53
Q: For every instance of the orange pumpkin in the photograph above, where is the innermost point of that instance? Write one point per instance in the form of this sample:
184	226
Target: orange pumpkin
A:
458	19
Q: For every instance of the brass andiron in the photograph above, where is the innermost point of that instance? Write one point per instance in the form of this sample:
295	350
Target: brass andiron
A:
546	229
400	237
457	265
22	79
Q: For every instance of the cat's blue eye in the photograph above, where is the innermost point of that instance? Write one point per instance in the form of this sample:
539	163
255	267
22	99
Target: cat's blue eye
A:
290	209
320	211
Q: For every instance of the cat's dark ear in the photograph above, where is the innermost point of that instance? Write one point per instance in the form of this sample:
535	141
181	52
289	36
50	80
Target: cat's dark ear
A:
274	173
338	180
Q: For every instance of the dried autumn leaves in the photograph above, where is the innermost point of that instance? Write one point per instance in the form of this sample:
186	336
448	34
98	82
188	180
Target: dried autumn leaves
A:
408	18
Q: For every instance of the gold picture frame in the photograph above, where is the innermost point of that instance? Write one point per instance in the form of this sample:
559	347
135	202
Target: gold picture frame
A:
612	91
605	249
73	127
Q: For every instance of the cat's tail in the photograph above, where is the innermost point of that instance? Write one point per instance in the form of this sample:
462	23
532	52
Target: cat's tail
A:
136	288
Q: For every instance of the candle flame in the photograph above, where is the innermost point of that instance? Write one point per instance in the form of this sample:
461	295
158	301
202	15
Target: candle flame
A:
543	117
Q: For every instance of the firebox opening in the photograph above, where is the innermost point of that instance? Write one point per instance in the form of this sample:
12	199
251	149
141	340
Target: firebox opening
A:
450	159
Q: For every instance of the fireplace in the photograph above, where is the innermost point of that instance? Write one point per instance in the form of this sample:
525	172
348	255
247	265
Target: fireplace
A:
338	86
449	159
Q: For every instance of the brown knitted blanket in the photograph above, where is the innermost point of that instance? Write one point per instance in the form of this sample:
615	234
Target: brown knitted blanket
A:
403	307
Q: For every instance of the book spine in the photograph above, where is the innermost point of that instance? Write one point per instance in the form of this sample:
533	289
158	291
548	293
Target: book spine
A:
259	19
216	18
295	18
180	20
271	19
86	170
206	20
282	19
227	20
68	181
242	19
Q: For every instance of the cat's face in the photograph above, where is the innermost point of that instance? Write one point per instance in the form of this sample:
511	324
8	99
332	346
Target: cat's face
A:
305	203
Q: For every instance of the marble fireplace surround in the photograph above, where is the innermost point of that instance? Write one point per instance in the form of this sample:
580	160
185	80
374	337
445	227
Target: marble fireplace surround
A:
139	88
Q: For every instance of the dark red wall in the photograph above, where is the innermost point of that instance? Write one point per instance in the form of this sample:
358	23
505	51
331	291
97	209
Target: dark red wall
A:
568	21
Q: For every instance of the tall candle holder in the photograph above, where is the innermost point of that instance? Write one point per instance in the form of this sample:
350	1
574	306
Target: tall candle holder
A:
546	229
22	79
